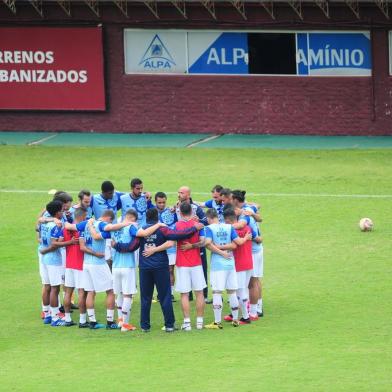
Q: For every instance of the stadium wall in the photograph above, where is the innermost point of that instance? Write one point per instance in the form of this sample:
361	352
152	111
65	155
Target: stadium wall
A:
220	104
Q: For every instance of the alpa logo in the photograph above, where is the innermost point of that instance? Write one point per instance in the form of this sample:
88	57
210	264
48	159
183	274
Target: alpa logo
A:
157	56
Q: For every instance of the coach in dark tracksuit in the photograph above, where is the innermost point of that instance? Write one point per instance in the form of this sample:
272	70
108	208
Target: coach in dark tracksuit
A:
154	270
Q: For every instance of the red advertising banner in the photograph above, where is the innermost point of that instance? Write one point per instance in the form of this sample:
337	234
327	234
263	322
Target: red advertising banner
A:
51	68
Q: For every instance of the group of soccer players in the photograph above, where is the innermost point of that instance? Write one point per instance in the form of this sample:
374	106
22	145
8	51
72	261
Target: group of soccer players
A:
98	244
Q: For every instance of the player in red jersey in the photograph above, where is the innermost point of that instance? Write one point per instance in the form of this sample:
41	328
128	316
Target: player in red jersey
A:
74	269
189	270
243	265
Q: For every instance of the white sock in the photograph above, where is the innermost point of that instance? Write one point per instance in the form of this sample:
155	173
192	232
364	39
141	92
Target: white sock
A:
55	313
83	318
119	304
253	310
243	300
199	320
109	314
126	309
91	315
234	305
187	320
68	317
260	305
46	310
217	306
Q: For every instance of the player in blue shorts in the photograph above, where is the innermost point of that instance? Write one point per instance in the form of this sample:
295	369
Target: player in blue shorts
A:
169	217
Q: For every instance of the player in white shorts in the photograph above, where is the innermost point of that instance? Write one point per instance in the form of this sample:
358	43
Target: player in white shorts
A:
96	272
223	274
51	270
255	285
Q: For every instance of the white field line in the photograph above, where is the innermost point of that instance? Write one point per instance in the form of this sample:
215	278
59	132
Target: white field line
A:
44	139
207	139
351	196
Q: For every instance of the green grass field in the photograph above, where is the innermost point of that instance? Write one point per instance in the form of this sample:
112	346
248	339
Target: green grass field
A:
327	299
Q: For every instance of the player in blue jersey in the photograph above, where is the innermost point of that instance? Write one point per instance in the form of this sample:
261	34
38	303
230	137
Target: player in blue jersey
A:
84	197
108	199
215	202
255	285
169	217
51	268
184	195
223	274
96	273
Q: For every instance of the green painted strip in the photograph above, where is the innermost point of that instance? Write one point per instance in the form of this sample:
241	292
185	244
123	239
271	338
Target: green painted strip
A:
122	140
19	138
299	142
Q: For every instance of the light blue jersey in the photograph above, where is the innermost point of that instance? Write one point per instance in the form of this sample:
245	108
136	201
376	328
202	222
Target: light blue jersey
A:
88	215
218	207
169	218
221	234
255	229
95	245
48	231
140	205
123	236
99	205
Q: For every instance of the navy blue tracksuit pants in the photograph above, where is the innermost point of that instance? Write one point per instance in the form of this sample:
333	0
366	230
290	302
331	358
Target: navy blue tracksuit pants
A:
161	279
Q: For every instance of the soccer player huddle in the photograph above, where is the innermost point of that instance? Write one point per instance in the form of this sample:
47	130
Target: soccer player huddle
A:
99	244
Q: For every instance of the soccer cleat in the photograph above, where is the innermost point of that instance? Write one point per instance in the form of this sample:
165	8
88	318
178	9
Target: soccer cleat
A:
207	301
58	323
173	299
253	318
244	321
235	323
61	309
95	325
260	314
120	321
127	327
74	306
42	315
214	326
229	317
199	325
154	301
171	329
48	320
145	330
112	325
84	325
186	327
163	328
61	315
69	324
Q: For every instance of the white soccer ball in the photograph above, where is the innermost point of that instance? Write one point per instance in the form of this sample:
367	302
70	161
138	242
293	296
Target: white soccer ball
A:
366	224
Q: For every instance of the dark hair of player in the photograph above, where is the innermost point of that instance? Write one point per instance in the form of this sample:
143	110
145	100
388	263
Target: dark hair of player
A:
57	193
225	192
64	197
82	193
54	207
136	181
228	206
132	212
108	213
107	186
161	195
217	188
239	195
211	213
229	214
185	208
152	215
79	212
